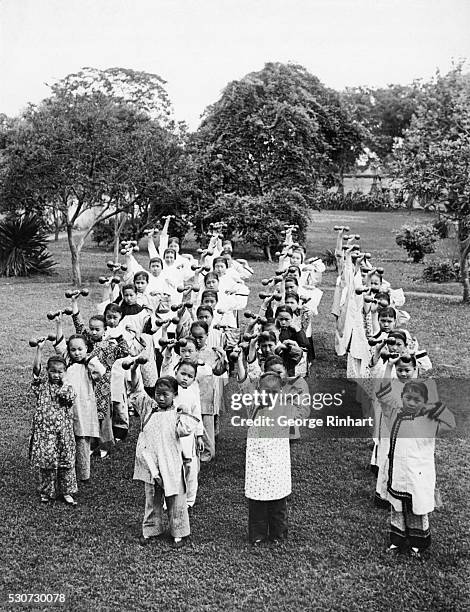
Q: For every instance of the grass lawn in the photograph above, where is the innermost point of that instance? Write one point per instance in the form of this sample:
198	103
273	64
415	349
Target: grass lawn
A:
334	559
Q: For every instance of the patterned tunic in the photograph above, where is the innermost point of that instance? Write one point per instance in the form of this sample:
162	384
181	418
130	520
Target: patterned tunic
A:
52	441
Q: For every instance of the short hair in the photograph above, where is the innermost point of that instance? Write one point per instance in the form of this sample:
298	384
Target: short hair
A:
201	324
301	253
398	334
284	308
141	274
292	294
267	336
76	337
270	376
178	347
169	251
208	309
127	287
272	361
210	275
169	382
188	362
155	260
174	239
56	359
407	359
112	307
96	317
209	293
388	311
220	260
291	277
417	387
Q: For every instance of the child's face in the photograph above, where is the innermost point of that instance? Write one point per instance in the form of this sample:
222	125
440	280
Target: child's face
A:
185	376
405	371
212	283
399	346
188	352
284	319
130	297
77	350
220	268
267	347
209	301
141	285
112	319
96	328
386	324
199	337
56	373
292	303
164	397
205	317
175	246
155	268
271	386
296	259
290	285
412	401
169	258
375	283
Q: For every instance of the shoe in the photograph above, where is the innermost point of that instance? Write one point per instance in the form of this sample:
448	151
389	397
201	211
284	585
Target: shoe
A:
257	542
103	454
178	543
143	541
45	499
416	554
69	500
393	550
131	412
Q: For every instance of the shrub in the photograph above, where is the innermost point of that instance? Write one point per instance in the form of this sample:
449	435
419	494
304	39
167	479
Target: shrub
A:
327	200
418	240
442	227
329	259
441	272
23	250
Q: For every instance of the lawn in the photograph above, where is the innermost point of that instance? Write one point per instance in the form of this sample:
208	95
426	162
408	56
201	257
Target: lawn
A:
334	559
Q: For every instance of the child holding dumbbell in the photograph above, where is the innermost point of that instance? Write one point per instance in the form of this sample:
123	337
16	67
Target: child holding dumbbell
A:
52	441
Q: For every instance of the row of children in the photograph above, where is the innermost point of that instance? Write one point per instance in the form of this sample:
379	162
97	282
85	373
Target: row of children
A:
386	362
160	340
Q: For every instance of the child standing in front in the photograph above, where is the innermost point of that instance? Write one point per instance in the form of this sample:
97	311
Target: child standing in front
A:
52	442
159	459
268	467
414	424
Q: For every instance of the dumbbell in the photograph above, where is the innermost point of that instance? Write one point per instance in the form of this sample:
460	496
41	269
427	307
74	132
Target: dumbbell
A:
341	228
249	337
311	260
361	290
233	355
367	256
374	341
36	341
221	326
380	271
164	343
52	315
249	315
272	296
128	363
106	279
70	293
150	230
183	288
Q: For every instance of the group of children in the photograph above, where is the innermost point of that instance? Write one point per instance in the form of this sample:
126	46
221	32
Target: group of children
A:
163	344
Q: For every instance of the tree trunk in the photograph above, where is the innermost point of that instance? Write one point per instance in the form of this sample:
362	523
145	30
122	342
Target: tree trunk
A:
75	253
267	252
464	244
118	226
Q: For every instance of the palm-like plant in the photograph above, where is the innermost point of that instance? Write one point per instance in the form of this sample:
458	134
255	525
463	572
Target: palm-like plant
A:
23	249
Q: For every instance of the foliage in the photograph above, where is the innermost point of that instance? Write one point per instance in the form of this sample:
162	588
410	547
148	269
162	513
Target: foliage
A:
356	200
86	148
442	227
441	272
418	240
384	113
329	259
23	250
276	128
104	233
258	220
433	162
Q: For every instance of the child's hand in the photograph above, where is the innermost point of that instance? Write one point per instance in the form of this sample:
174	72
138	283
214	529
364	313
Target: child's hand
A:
199	444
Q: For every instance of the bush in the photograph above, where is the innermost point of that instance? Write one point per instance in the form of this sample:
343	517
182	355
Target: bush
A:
351	201
442	227
329	259
441	272
23	250
418	240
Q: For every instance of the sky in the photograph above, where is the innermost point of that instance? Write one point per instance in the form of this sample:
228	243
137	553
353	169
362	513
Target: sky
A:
198	46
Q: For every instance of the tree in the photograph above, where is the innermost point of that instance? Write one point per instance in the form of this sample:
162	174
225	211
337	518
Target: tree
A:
257	220
433	162
384	113
87	148
273	129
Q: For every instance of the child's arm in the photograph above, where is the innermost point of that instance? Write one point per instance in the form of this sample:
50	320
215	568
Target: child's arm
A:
38	359
220	366
440	413
242	372
77	318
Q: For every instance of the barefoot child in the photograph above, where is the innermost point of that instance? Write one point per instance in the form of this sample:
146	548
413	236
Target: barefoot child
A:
268	471
159	459
52	442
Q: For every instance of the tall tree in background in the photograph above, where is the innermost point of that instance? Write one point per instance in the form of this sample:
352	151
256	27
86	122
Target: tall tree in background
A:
103	141
384	113
273	129
433	162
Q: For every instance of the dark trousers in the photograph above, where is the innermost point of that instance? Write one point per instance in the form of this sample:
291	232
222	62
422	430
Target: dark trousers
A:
267	519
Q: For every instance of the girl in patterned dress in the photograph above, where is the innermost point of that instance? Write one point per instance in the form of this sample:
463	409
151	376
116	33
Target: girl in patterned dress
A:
52	442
